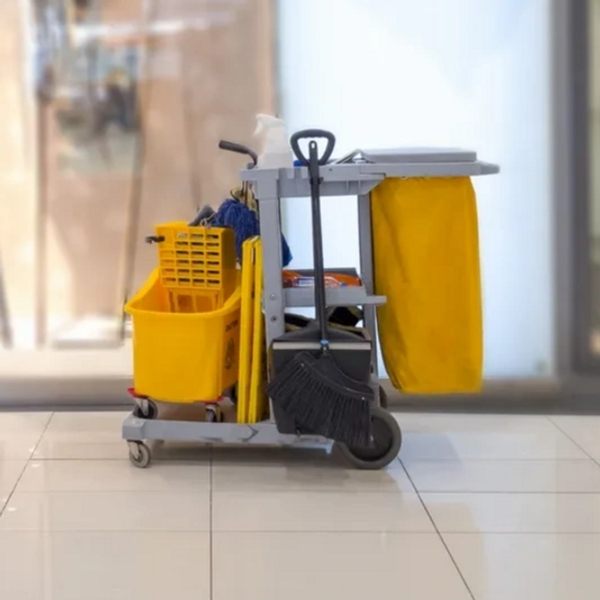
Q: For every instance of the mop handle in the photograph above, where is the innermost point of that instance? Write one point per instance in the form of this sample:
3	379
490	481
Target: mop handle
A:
313	163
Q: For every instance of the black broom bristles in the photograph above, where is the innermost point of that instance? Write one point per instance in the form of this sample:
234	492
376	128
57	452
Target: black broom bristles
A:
323	400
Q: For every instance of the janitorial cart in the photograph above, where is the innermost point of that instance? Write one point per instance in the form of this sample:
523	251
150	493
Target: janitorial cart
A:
208	332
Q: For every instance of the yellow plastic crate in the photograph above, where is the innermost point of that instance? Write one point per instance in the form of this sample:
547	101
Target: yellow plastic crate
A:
182	357
194	260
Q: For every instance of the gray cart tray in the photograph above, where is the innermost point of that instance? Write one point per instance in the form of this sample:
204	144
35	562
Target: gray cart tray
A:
358	178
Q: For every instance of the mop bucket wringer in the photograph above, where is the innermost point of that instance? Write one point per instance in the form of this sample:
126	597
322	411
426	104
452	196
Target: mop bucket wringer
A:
196	264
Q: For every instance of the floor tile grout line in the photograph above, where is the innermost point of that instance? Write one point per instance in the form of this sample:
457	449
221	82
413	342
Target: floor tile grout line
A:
9	497
406	533
192	533
41	437
196	494
482	533
559	428
493	460
504	493
210	523
441	538
468	492
302	532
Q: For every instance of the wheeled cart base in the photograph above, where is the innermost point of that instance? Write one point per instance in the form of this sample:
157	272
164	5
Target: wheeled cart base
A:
384	447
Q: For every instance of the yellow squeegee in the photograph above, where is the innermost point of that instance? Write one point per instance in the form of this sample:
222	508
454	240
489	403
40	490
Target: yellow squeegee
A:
246	318
258	396
252	397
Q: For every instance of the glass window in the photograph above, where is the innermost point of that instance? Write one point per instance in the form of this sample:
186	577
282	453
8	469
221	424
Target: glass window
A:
464	73
112	113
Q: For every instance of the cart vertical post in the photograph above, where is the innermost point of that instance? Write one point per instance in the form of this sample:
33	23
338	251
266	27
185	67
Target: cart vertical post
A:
365	241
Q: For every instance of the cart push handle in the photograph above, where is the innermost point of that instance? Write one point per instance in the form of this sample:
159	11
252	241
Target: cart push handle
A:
308	134
239	149
154	239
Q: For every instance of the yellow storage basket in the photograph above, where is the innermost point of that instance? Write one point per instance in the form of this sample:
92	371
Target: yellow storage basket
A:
182	357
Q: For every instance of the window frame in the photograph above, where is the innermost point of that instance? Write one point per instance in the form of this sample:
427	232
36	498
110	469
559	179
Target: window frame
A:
584	360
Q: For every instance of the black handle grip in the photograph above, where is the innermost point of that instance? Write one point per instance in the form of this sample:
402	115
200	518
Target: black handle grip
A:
154	239
308	134
239	149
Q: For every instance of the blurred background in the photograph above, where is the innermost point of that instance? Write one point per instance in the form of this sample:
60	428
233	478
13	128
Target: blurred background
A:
112	115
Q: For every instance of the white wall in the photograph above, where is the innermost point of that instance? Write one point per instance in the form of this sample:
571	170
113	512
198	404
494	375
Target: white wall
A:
468	73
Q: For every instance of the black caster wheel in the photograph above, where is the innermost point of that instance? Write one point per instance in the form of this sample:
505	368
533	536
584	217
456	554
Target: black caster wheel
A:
213	414
139	455
383	398
386	440
233	394
145	409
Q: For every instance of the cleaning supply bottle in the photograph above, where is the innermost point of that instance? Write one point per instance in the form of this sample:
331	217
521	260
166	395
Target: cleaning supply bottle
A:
276	151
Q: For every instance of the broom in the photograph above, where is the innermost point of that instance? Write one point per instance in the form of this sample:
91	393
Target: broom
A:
313	390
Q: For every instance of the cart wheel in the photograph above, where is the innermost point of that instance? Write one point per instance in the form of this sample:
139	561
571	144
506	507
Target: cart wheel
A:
233	394
383	398
139	454
386	439
145	409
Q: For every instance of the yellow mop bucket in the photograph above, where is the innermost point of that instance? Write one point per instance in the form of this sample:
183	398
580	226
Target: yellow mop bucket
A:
182	357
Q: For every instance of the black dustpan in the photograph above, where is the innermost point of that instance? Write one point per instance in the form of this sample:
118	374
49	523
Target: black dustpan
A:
321	375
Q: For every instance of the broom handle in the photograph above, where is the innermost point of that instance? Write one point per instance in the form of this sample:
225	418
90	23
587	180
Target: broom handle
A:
319	266
313	162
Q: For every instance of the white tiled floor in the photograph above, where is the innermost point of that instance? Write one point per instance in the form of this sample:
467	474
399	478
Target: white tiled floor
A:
478	507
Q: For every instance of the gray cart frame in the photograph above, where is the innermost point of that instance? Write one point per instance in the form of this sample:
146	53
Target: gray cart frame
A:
270	187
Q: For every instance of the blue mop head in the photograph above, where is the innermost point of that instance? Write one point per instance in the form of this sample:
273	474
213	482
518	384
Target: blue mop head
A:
286	253
245	225
240	218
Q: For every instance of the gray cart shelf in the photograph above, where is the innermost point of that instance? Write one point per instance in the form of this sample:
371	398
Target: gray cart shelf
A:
357	178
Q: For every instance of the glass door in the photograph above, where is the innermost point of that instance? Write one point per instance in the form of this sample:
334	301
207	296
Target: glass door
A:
112	114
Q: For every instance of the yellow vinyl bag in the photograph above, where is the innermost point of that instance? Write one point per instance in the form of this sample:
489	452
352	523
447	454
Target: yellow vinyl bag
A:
426	261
